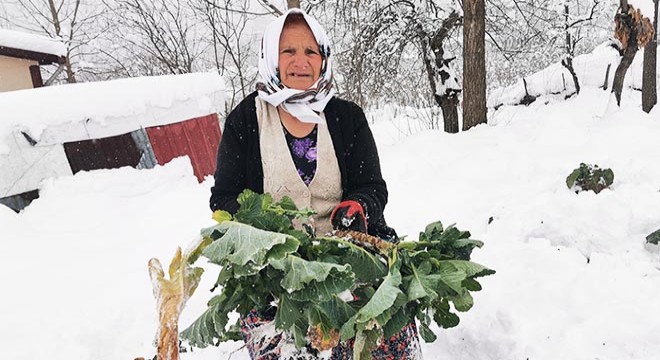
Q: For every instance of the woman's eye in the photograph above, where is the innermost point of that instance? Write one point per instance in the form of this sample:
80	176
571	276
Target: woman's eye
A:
288	51
311	52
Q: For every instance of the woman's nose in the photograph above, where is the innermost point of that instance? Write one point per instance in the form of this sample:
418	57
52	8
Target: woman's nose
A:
300	61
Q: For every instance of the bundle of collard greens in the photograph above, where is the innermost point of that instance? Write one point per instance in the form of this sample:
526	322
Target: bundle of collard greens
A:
265	260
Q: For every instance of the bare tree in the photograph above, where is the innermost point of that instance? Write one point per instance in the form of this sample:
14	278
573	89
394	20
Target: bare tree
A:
474	64
395	51
234	50
72	21
649	89
572	38
158	37
524	36
266	4
517	37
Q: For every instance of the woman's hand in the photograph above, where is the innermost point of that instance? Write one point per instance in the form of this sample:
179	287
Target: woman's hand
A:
349	215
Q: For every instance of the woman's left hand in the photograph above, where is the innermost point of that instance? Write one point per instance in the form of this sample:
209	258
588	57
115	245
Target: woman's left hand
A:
349	215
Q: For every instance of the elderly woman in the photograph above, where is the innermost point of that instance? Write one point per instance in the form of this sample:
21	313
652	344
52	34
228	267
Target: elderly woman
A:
293	137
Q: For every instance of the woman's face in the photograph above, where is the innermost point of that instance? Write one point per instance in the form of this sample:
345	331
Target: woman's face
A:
299	57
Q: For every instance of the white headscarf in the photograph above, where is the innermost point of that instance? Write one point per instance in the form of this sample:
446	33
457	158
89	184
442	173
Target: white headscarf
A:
302	104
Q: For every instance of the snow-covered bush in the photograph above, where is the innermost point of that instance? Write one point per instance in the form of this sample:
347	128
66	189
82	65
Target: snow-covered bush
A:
589	177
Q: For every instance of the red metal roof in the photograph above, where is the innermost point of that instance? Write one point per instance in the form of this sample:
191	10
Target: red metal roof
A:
197	138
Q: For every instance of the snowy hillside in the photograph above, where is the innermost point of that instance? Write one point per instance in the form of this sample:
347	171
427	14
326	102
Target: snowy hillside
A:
575	278
555	81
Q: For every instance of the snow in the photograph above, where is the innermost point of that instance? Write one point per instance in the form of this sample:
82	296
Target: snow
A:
83	111
31	42
555	79
575	278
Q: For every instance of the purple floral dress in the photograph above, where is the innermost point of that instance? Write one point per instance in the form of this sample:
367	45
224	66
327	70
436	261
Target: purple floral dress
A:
303	152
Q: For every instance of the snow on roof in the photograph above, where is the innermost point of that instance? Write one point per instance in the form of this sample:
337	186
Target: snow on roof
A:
74	112
31	42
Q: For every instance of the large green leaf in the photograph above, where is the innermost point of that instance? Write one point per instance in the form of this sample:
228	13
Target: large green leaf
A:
251	206
426	332
347	330
366	266
208	327
462	302
383	298
260	211
299	333
454	272
365	341
288	313
337	311
399	319
472	284
443	316
450	234
213	232
243	244
433	228
313	276
469	268
421	283
335	283
468	242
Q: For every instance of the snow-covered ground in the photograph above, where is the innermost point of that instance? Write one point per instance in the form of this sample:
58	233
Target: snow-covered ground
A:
575	279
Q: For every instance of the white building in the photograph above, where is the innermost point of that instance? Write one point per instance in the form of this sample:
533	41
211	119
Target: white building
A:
22	54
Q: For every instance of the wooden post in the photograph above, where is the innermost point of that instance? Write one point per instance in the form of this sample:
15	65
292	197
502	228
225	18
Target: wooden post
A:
35	74
293	4
607	77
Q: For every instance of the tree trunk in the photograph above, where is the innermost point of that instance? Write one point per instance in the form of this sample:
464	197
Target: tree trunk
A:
449	106
292	4
433	56
568	61
620	74
474	64
568	64
629	51
649	89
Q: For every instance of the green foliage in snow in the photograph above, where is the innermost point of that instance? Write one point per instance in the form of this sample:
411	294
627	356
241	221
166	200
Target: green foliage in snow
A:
590	177
265	261
654	237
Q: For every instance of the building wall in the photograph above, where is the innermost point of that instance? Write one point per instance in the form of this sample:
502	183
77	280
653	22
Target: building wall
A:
106	153
15	73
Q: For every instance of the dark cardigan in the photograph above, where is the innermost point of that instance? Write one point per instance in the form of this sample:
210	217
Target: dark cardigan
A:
239	158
